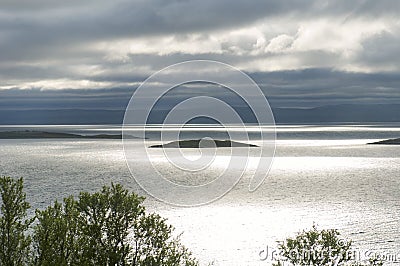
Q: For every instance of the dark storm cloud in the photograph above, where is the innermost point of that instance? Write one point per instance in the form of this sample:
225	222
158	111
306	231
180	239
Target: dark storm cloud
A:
103	19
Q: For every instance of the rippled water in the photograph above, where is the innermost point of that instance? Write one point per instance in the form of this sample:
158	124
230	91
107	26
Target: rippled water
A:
321	174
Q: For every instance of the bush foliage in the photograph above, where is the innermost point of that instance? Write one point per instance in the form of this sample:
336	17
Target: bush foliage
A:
109	227
319	248
112	227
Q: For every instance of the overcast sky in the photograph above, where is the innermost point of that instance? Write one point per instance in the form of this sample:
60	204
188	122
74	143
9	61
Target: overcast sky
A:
301	52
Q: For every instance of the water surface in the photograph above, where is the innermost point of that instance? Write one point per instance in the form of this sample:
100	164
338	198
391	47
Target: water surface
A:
321	174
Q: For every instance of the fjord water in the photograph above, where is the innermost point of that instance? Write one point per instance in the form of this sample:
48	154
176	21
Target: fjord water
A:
325	175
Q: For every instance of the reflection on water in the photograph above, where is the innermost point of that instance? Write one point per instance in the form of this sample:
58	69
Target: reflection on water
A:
325	175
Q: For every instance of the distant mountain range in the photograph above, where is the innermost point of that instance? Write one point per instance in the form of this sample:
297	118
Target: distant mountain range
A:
340	113
323	114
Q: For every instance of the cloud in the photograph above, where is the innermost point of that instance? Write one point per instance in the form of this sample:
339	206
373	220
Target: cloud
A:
381	50
278	44
302	52
294	88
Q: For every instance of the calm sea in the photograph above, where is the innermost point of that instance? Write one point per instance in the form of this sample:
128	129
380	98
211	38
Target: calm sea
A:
325	175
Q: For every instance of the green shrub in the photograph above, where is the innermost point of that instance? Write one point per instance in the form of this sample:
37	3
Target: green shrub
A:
110	227
318	248
56	238
14	242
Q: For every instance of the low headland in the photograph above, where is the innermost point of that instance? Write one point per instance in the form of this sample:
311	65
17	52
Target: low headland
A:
29	134
387	142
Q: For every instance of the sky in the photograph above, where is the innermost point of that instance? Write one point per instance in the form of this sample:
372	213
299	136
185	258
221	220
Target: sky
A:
94	53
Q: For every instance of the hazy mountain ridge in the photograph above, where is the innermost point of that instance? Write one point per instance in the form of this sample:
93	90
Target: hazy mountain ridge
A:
331	113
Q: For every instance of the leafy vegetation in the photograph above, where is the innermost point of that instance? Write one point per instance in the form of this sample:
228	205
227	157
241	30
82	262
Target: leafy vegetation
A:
112	227
14	243
109	227
318	248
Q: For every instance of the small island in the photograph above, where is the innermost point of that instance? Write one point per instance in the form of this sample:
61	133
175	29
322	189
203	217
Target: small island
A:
205	143
387	142
29	134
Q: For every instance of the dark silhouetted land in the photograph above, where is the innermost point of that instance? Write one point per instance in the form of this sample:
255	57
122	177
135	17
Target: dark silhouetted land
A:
387	142
28	134
195	143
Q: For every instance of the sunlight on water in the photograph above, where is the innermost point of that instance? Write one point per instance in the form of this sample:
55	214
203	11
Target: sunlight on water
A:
325	175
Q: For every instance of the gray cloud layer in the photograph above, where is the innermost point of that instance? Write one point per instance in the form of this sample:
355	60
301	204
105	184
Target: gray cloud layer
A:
302	52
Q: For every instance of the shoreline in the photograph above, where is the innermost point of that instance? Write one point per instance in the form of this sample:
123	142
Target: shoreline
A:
386	142
29	134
